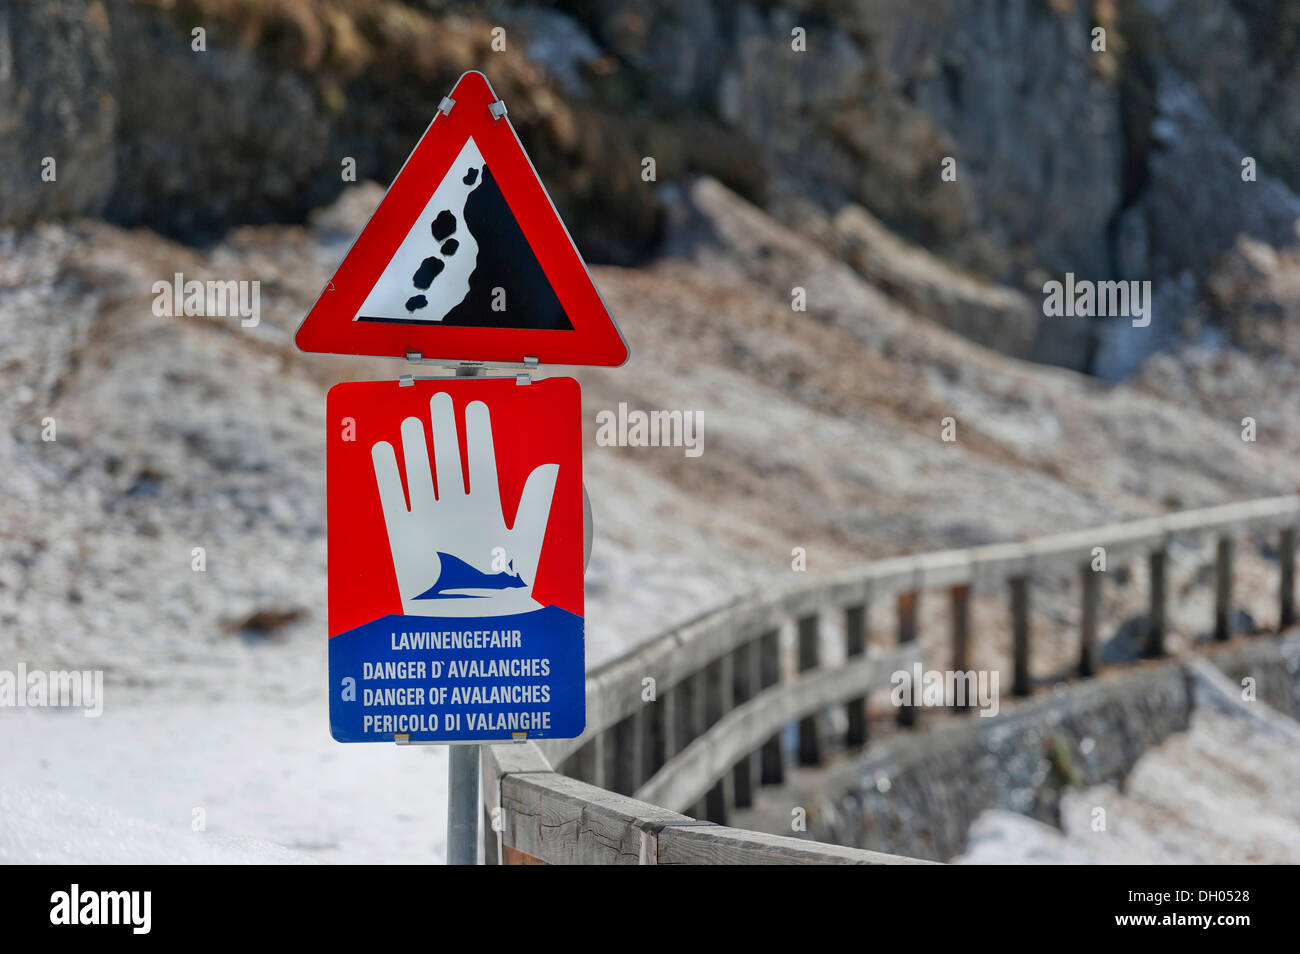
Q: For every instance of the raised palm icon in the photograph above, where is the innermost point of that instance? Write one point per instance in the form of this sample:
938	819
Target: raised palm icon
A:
452	551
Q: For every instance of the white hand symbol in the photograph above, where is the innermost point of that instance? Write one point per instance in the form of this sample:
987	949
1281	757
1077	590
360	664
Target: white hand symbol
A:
467	526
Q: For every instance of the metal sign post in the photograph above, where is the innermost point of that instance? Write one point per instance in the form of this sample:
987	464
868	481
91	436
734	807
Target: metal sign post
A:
462	804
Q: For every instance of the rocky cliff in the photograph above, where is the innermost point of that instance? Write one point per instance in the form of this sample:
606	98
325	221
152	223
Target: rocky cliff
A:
1107	139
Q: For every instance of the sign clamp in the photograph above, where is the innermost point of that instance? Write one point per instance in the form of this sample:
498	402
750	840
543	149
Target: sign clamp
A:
464	371
472	368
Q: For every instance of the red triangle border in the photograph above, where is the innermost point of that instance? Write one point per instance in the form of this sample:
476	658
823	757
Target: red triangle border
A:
328	327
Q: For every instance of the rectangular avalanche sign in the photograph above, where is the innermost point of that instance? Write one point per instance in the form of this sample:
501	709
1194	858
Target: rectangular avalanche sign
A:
455	560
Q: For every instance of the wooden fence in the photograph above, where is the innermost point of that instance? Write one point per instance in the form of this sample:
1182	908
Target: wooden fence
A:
685	728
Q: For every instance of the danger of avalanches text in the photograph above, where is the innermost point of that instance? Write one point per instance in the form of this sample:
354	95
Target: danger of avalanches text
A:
421	669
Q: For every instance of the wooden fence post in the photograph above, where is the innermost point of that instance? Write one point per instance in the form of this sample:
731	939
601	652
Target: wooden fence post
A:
1020	634
1286	558
683	699
625	756
642	741
667	704
907	634
1091	586
698	719
744	686
599	760
960	599
1224	611
809	633
719	679
772	761
1155	641
654	747
855	644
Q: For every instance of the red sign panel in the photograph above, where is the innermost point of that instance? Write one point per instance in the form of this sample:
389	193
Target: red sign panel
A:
455	560
465	259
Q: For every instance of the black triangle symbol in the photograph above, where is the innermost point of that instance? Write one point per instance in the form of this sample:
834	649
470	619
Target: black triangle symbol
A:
508	287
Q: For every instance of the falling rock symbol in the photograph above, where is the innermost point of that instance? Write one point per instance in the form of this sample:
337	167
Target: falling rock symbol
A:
444	225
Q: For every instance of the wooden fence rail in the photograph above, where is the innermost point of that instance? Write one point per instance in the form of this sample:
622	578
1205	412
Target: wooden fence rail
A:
685	728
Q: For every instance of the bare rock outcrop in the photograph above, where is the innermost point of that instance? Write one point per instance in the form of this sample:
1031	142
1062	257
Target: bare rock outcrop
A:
210	137
55	104
885	90
1103	139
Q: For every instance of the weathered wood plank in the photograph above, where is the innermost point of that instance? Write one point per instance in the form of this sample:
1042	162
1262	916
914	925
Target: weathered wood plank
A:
855	644
1224	610
600	759
715	845
1090	585
624	756
563	821
943	568
809	636
907	610
512	856
744	686
685	778
959	604
551	819
1155	641
719	802
668	707
1019	586
1286	583
771	755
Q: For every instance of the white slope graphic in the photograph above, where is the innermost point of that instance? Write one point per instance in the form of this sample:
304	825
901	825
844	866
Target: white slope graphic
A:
396	286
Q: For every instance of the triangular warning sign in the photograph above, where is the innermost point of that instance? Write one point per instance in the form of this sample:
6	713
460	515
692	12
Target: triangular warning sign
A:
465	259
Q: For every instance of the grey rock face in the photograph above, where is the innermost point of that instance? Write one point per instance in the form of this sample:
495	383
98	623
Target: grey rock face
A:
1121	348
1242	59
1197	202
207	139
55	102
1256	288
1116	163
557	44
1122	163
885	90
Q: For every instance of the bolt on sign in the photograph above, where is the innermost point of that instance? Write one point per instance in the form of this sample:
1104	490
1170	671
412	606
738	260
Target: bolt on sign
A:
455	504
